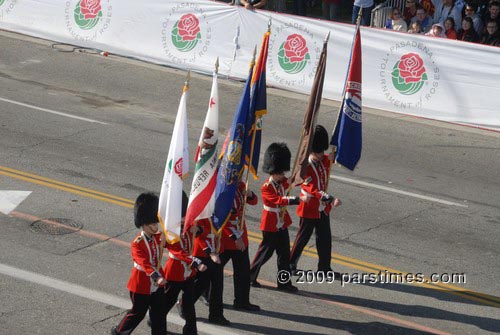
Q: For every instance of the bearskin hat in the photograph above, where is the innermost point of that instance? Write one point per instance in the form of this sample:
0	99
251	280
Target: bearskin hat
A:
185	201
276	158
146	209
320	141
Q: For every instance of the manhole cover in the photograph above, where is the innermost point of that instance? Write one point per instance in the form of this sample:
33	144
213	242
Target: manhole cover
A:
55	226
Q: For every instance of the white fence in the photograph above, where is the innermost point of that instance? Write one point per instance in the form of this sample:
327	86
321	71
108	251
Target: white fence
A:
403	73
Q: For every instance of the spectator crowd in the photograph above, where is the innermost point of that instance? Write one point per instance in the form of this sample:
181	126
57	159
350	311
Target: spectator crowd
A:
475	21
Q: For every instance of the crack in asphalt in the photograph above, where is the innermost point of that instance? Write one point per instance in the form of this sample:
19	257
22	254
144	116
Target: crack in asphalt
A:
99	242
382	224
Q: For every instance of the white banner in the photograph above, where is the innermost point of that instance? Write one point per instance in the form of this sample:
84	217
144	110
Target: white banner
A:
428	77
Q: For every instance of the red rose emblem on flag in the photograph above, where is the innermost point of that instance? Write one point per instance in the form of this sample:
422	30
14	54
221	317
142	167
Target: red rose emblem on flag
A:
411	68
189	27
295	48
90	8
178	168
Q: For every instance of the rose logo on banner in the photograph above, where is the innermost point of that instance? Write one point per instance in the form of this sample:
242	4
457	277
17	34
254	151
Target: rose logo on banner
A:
88	13
186	33
86	20
408	74
293	54
6	6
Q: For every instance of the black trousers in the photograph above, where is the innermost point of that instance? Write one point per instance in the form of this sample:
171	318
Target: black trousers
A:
172	292
155	302
271	241
241	275
212	277
323	241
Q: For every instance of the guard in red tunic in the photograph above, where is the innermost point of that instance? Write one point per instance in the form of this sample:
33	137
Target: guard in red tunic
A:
235	244
207	246
314	213
147	281
275	218
180	271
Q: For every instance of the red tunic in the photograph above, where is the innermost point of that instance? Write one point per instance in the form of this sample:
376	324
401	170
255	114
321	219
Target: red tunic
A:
145	253
233	227
207	242
274	215
178	266
315	187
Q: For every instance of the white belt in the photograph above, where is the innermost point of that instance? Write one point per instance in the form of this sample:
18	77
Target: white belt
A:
171	255
138	267
306	193
272	209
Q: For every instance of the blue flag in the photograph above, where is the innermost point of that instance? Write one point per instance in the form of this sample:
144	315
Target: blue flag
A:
347	133
235	151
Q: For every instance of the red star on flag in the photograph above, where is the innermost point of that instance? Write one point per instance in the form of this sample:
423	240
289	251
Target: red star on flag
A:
212	102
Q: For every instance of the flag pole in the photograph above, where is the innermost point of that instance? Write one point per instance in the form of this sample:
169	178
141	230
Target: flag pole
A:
334	149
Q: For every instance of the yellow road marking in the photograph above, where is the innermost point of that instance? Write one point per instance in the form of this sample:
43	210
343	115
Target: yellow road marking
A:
253	236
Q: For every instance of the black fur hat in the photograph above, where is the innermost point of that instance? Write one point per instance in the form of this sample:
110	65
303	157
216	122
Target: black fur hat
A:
276	158
320	140
185	201
146	209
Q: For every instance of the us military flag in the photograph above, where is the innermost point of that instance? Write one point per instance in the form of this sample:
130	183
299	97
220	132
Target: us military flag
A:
347	133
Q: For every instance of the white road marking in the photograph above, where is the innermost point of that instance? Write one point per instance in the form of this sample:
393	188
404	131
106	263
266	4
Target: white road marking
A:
394	190
50	111
98	296
9	200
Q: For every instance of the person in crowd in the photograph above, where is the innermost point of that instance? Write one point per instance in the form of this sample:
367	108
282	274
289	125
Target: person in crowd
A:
424	20
396	21
278	6
275	218
471	11
147	280
253	4
180	271
437	31
235	244
331	9
299	7
492	36
410	10
445	9
429	7
449	28
415	28
367	6
314	211
493	13
467	32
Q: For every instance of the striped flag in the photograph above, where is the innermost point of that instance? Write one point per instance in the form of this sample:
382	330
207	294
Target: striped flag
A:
258	106
176	168
201	200
347	133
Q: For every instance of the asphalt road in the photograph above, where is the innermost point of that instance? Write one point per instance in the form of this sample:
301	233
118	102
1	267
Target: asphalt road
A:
425	199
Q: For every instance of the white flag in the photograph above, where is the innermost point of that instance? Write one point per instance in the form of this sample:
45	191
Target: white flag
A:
202	200
176	168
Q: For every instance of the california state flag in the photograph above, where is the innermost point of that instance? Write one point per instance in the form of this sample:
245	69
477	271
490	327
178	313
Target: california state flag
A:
177	166
202	200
